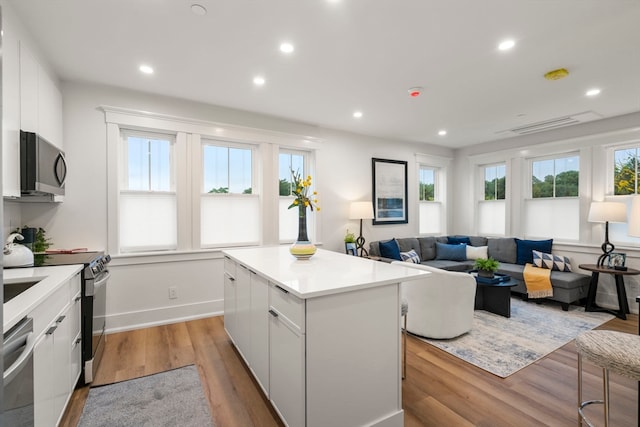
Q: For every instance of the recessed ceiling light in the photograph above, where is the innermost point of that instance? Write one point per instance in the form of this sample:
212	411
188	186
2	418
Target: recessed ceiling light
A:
198	9
593	92
506	44
442	132
286	48
146	69
258	80
357	114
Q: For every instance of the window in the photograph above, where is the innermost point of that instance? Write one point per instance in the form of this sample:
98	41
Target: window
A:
296	161
555	177
554	207
229	205
430	207
148	211
491	206
625	171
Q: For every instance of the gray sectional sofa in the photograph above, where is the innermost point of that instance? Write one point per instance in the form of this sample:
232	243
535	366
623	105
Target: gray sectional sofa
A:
568	287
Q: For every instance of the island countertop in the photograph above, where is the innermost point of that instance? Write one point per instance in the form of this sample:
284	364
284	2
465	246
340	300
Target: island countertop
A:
325	273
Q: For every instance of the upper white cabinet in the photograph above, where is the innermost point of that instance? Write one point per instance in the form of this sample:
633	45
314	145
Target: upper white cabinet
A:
10	114
40	99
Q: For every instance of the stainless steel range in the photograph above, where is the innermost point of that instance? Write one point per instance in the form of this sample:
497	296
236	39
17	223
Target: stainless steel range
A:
95	276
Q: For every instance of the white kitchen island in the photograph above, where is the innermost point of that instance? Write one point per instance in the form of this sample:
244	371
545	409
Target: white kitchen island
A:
321	336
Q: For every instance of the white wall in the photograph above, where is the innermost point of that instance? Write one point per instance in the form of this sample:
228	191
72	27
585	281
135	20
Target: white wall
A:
138	291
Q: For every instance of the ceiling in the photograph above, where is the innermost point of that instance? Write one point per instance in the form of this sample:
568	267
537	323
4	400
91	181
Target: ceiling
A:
359	55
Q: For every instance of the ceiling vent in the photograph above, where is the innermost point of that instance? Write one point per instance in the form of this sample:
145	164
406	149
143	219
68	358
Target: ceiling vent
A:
555	123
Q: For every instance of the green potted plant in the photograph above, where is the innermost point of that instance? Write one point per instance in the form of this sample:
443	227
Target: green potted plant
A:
486	266
349	237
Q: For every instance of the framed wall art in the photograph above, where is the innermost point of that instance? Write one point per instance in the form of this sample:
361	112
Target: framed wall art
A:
389	191
617	259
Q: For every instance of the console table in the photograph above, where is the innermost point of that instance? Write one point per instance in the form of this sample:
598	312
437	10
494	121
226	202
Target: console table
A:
320	336
623	304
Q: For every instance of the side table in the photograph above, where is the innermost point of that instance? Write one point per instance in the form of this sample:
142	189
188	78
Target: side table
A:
623	304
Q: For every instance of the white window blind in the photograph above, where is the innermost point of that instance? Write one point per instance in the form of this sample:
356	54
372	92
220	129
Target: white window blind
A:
491	217
553	217
430	217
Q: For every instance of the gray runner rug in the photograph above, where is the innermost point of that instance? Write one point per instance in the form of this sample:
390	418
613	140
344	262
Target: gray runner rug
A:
504	345
171	398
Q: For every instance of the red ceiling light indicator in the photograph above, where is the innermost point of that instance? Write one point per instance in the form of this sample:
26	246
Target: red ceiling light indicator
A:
415	92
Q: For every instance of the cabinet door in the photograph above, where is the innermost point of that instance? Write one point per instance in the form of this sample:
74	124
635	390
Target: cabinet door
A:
49	109
243	311
287	369
259	354
76	337
10	114
62	360
28	90
43	381
230	306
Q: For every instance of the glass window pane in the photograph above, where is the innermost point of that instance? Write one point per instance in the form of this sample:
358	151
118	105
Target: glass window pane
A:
215	169
625	171
501	182
289	162
149	164
159	165
542	180
240	171
567	177
427	184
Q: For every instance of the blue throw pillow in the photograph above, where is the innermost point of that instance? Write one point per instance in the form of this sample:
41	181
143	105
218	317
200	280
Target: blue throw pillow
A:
525	248
451	252
457	240
390	249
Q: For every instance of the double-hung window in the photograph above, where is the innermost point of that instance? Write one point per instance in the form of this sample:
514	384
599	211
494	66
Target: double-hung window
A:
229	203
299	162
429	203
492	207
554	206
625	171
147	205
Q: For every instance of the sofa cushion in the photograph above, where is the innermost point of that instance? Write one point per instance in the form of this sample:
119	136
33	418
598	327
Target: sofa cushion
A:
448	265
525	249
390	249
550	261
478	241
407	244
410	256
427	248
475	252
451	252
456	240
502	249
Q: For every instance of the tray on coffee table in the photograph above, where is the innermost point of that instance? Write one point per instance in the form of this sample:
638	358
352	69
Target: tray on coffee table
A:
497	278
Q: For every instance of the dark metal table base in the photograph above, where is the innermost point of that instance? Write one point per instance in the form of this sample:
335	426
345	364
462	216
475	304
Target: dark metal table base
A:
623	304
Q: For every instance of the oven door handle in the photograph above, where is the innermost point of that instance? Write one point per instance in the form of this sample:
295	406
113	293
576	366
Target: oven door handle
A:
93	289
12	371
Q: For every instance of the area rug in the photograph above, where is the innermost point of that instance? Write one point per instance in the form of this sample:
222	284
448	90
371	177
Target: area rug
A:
503	345
171	398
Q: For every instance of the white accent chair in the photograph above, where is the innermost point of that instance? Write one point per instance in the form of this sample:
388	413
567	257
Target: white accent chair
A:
441	303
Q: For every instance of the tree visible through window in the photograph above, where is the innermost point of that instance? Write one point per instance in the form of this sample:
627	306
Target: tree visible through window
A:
555	177
226	169
625	171
427	184
494	182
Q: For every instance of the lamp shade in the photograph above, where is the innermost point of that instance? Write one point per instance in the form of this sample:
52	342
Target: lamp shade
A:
607	212
361	210
634	217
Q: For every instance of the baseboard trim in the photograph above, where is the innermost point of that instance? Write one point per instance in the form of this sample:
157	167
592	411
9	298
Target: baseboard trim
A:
129	321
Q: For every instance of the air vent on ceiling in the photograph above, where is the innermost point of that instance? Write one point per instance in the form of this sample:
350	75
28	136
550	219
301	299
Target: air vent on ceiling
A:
557	122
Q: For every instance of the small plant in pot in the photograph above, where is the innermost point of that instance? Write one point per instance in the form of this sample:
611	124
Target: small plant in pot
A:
486	267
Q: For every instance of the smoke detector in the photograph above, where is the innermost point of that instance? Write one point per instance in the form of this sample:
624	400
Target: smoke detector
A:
415	92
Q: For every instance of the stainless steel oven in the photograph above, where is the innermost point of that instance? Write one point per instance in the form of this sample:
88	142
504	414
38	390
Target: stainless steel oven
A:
95	278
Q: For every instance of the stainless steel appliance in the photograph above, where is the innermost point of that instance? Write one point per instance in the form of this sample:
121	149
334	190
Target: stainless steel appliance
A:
17	401
95	276
43	169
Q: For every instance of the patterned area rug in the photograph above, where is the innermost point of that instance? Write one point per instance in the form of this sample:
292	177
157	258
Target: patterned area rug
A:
171	398
503	345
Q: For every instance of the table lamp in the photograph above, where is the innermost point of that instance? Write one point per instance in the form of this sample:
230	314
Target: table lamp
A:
607	212
361	210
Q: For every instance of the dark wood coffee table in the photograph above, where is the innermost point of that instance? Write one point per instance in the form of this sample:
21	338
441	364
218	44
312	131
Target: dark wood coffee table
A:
494	297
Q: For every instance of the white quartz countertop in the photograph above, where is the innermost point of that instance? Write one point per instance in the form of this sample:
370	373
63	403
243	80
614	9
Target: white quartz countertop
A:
325	273
50	279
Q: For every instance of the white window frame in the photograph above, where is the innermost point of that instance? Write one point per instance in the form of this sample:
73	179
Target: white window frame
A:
309	169
438	207
496	208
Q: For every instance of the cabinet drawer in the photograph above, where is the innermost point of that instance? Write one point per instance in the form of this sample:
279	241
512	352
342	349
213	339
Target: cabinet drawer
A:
45	313
288	305
230	266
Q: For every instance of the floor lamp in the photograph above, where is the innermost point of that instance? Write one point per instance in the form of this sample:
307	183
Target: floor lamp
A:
361	210
607	212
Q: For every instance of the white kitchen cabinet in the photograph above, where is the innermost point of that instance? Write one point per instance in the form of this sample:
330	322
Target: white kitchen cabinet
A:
10	114
230	297
243	311
259	353
75	320
40	99
56	325
333	335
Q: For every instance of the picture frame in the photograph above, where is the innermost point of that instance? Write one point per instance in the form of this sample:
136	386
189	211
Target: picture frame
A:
389	179
616	259
350	249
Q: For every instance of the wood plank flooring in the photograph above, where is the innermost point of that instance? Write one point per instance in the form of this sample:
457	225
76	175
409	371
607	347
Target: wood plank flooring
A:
440	389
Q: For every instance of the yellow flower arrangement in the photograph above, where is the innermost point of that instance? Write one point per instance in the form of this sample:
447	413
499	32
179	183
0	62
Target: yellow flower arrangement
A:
301	188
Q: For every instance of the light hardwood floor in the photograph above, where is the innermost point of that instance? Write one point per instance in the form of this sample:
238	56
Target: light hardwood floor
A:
440	390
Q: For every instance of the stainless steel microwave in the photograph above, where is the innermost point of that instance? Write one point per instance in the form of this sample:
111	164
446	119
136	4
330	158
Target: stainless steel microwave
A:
43	168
